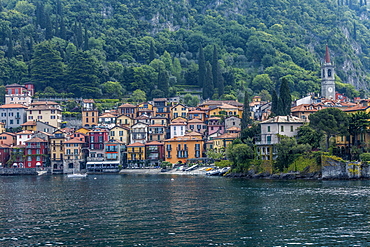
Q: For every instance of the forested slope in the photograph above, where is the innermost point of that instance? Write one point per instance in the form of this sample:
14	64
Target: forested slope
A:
96	48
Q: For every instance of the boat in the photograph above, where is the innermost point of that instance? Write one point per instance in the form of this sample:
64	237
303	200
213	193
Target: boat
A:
77	175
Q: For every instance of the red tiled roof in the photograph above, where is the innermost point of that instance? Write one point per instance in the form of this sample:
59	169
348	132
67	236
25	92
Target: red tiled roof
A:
36	139
136	144
29	123
8	106
153	143
74	140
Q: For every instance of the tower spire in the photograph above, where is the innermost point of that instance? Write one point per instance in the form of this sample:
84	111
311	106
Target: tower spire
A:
327	55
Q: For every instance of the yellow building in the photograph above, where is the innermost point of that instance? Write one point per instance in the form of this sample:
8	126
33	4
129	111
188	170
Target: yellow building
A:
182	148
221	142
226	110
57	151
135	154
45	111
82	131
145	108
124	120
121	134
30	125
179	110
90	118
73	155
2	127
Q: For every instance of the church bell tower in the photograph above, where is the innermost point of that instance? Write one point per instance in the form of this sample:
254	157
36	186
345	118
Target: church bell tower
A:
327	78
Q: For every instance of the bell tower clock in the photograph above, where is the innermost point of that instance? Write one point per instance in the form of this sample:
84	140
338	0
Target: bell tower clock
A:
327	77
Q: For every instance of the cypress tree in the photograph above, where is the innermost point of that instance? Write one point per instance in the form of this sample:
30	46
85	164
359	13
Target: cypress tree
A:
86	40
208	89
163	82
274	103
215	66
285	97
10	52
151	52
246	117
62	29
354	31
202	67
48	28
79	35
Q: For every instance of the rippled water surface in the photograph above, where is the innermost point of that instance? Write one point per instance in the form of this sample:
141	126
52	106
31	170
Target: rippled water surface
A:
163	210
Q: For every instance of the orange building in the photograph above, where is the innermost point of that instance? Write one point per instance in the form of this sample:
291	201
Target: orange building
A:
182	148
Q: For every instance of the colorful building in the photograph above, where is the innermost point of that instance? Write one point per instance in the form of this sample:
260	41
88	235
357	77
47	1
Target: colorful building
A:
136	155
154	153
13	115
182	148
48	112
36	153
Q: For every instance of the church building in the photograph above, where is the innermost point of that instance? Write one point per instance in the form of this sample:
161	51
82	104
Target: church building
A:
327	77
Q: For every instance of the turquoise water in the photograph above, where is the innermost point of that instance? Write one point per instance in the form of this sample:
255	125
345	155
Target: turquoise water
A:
165	210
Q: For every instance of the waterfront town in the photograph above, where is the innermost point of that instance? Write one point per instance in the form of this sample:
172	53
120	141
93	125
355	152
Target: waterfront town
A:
146	134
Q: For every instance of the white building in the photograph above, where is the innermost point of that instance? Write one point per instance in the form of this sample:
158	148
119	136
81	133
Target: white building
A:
13	115
139	133
272	129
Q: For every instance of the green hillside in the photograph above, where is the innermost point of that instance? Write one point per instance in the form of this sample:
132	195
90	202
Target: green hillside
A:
96	48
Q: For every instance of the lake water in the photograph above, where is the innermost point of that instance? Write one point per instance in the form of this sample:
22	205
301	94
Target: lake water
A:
169	210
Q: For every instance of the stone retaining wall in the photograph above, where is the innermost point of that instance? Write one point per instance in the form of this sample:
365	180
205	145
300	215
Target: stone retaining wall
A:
333	169
17	171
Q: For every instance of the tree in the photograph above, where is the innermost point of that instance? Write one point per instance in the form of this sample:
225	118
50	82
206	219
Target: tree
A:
202	67
274	104
218	80
239	153
307	135
163	84
262	82
83	75
208	89
47	68
358	124
138	96
151	51
246	117
331	121
287	149
285	97
112	90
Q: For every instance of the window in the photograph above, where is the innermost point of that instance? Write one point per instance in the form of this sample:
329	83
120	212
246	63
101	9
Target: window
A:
87	120
268	139
112	133
29	158
268	128
291	128
75	151
329	72
38	158
282	128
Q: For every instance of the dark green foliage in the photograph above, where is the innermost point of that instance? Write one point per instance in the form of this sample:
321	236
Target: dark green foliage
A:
358	124
288	150
47	68
272	38
274	103
246	117
307	135
285	98
82	74
208	89
163	83
331	121
202	68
